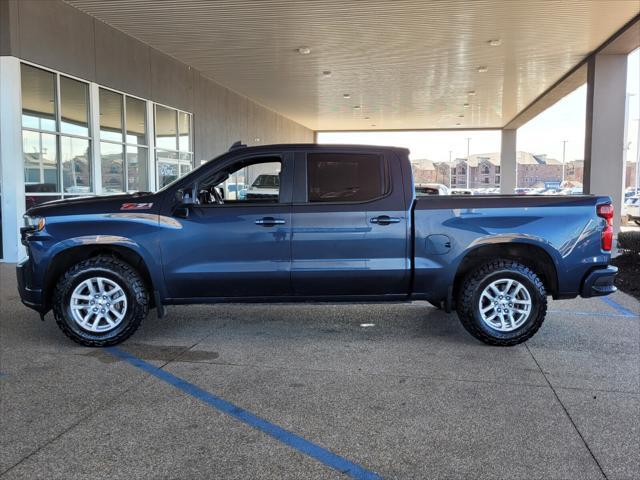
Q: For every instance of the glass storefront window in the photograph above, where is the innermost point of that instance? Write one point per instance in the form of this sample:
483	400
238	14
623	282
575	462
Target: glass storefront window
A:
74	107
166	131
38	99
137	172
112	167
184	130
110	116
174	157
76	171
40	161
136	121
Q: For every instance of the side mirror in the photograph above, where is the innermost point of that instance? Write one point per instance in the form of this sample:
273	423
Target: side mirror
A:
181	211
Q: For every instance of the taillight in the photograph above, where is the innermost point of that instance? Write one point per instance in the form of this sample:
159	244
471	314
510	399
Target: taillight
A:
606	211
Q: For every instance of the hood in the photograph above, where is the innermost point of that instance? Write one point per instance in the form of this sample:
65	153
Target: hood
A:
97	204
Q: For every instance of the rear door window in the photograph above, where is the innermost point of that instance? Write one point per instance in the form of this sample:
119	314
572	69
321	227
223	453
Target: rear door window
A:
345	177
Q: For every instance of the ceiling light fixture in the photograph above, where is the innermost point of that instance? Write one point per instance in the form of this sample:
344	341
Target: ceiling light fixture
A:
460	116
465	105
482	69
303	50
496	42
373	124
326	73
356	107
471	93
367	118
458	123
346	95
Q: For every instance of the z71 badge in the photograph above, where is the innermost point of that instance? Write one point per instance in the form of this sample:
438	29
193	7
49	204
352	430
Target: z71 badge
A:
136	206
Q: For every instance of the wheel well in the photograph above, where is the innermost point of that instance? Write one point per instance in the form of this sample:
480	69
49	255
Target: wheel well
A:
536	258
66	259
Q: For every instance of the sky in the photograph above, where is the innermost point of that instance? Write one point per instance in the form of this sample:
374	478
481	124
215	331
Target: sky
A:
543	134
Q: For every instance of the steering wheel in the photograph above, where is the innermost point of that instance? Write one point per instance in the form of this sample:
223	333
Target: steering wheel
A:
217	198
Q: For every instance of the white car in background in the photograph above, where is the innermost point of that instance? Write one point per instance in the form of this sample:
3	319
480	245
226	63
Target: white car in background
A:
632	207
265	187
426	189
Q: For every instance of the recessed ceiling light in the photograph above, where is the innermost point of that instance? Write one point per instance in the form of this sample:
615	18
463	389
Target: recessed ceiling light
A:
256	139
482	69
465	105
458	123
373	124
367	118
356	107
303	50
460	116
326	73
346	95
496	42
471	93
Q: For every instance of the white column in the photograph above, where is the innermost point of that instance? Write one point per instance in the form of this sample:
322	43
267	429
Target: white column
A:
508	164
604	136
11	161
94	118
151	141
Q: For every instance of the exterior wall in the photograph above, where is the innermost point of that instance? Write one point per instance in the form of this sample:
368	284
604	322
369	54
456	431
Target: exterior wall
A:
58	36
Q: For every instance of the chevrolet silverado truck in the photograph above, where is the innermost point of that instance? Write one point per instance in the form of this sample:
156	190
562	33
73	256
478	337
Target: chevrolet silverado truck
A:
342	224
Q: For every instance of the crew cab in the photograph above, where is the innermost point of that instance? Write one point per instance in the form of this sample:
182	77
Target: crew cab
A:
340	224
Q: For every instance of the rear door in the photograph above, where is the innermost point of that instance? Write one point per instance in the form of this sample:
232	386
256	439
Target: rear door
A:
350	225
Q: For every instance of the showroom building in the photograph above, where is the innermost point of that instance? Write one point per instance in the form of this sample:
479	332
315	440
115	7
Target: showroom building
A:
101	97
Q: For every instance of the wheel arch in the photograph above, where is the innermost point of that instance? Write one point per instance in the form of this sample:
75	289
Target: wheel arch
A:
68	257
531	255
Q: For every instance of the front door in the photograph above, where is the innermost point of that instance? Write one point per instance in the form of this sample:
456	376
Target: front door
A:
234	242
350	227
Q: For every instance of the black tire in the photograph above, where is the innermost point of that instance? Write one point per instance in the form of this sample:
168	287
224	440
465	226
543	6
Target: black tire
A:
115	270
476	281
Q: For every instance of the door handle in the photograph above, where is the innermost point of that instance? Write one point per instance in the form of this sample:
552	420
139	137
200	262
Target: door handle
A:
270	221
384	220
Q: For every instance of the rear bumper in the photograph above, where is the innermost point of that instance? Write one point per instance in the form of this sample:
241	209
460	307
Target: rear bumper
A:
599	282
31	297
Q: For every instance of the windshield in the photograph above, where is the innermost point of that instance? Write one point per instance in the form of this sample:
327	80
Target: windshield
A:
266	181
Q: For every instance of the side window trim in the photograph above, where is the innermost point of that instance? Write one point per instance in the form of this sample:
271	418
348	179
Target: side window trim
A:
301	185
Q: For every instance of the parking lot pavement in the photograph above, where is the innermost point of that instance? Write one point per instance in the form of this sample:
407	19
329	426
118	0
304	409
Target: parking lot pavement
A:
300	391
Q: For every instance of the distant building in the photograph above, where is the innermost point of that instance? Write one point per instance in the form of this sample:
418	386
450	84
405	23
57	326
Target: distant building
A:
537	170
534	171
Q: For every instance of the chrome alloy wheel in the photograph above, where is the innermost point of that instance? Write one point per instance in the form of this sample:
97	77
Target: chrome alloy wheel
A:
98	304
505	305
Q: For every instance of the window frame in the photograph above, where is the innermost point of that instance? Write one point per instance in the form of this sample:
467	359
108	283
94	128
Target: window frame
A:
176	151
304	176
286	160
59	134
123	143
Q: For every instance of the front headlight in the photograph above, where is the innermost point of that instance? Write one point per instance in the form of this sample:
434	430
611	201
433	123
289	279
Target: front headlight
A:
35	223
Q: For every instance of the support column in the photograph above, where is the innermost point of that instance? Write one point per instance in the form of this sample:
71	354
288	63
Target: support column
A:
11	161
605	125
508	164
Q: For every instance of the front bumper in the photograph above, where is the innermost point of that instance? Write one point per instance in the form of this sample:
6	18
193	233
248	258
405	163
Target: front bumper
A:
31	297
599	282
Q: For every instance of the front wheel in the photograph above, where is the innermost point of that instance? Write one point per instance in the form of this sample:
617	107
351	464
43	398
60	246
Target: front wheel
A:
503	302
100	301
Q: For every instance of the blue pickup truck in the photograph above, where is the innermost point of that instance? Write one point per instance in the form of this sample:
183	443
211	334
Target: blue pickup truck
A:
333	224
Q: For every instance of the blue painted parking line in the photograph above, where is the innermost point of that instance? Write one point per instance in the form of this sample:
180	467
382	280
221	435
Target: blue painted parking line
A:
592	314
300	444
623	310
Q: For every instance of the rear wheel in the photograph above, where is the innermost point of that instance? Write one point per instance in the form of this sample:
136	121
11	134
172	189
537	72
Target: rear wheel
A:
502	302
100	301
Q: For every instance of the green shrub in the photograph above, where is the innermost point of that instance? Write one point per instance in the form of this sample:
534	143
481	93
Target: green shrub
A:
629	241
